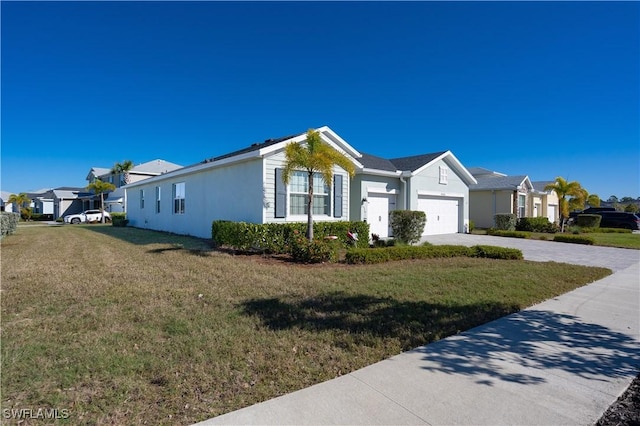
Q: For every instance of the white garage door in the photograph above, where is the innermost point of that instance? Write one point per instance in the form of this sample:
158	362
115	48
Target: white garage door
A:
443	214
378	208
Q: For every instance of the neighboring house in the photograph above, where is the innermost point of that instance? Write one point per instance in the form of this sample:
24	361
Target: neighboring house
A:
246	185
5	205
115	201
496	193
41	201
136	174
72	200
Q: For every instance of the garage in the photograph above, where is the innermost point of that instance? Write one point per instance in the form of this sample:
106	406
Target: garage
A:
443	214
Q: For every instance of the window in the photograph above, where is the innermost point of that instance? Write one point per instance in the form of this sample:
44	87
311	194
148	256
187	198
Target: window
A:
298	194
178	198
142	198
157	199
443	175
522	199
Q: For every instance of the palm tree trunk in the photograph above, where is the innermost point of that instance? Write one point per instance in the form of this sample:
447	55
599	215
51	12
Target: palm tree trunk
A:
310	209
102	206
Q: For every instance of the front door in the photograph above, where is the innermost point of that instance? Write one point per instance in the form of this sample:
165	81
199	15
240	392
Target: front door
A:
378	208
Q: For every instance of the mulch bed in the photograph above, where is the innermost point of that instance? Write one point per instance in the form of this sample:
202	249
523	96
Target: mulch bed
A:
626	410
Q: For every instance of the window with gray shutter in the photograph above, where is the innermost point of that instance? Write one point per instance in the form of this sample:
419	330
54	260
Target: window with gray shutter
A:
281	196
337	196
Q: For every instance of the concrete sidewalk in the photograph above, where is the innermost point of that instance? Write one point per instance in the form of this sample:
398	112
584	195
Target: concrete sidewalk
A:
563	361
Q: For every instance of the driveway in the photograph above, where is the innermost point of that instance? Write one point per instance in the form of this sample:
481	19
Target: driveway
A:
615	259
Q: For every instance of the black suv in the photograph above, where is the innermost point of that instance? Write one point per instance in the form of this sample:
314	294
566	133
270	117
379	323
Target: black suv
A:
591	210
619	220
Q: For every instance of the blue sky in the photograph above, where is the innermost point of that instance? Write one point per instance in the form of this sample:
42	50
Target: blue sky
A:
544	89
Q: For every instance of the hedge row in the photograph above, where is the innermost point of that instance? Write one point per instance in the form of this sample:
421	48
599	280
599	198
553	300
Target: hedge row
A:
512	234
380	255
277	238
8	222
575	239
119	219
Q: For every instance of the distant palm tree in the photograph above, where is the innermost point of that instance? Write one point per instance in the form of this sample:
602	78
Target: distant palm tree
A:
99	188
22	201
562	188
123	169
313	156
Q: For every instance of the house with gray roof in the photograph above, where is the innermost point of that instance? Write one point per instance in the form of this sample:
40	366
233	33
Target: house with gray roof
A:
246	185
497	193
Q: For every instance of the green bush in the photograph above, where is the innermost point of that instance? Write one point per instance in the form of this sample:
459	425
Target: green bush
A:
380	255
316	251
407	225
575	239
536	224
119	219
276	238
25	213
505	221
492	252
41	217
588	220
472	226
8	222
512	234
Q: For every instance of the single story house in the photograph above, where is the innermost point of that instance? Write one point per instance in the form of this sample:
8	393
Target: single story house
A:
496	193
246	185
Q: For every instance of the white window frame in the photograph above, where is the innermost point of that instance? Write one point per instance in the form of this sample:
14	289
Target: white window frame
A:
444	175
522	210
141	199
179	197
299	190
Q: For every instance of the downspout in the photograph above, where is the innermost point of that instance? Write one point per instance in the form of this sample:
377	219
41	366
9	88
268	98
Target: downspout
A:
404	175
404	191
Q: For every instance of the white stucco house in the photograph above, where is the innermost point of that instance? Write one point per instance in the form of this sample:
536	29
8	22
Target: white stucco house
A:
246	185
497	193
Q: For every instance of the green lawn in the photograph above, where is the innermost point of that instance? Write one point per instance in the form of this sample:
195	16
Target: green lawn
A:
121	326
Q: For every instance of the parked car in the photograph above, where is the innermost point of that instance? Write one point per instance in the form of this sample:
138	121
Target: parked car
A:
87	216
573	216
619	220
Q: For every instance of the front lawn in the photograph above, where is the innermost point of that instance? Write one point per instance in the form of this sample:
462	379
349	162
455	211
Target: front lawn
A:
121	326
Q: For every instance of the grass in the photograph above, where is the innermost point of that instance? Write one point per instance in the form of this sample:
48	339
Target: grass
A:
121	325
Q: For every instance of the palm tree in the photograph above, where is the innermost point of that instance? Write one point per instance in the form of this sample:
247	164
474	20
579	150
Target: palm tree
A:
123	168
99	188
314	156
22	200
562	188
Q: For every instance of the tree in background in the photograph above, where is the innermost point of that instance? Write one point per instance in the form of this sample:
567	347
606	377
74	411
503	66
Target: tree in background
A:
313	156
22	201
123	170
564	189
99	188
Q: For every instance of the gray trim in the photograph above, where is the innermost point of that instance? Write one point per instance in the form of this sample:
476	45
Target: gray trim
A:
281	196
337	196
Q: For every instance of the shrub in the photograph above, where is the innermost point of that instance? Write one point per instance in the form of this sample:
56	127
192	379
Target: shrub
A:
316	251
8	222
119	219
276	238
576	239
512	234
408	225
25	213
589	220
536	224
505	221
492	252
41	217
472	226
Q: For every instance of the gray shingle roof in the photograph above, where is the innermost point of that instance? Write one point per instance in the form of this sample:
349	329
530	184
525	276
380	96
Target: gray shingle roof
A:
378	163
253	147
156	167
540	184
414	162
497	182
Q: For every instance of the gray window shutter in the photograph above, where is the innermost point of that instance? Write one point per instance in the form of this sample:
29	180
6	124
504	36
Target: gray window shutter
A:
281	196
337	196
